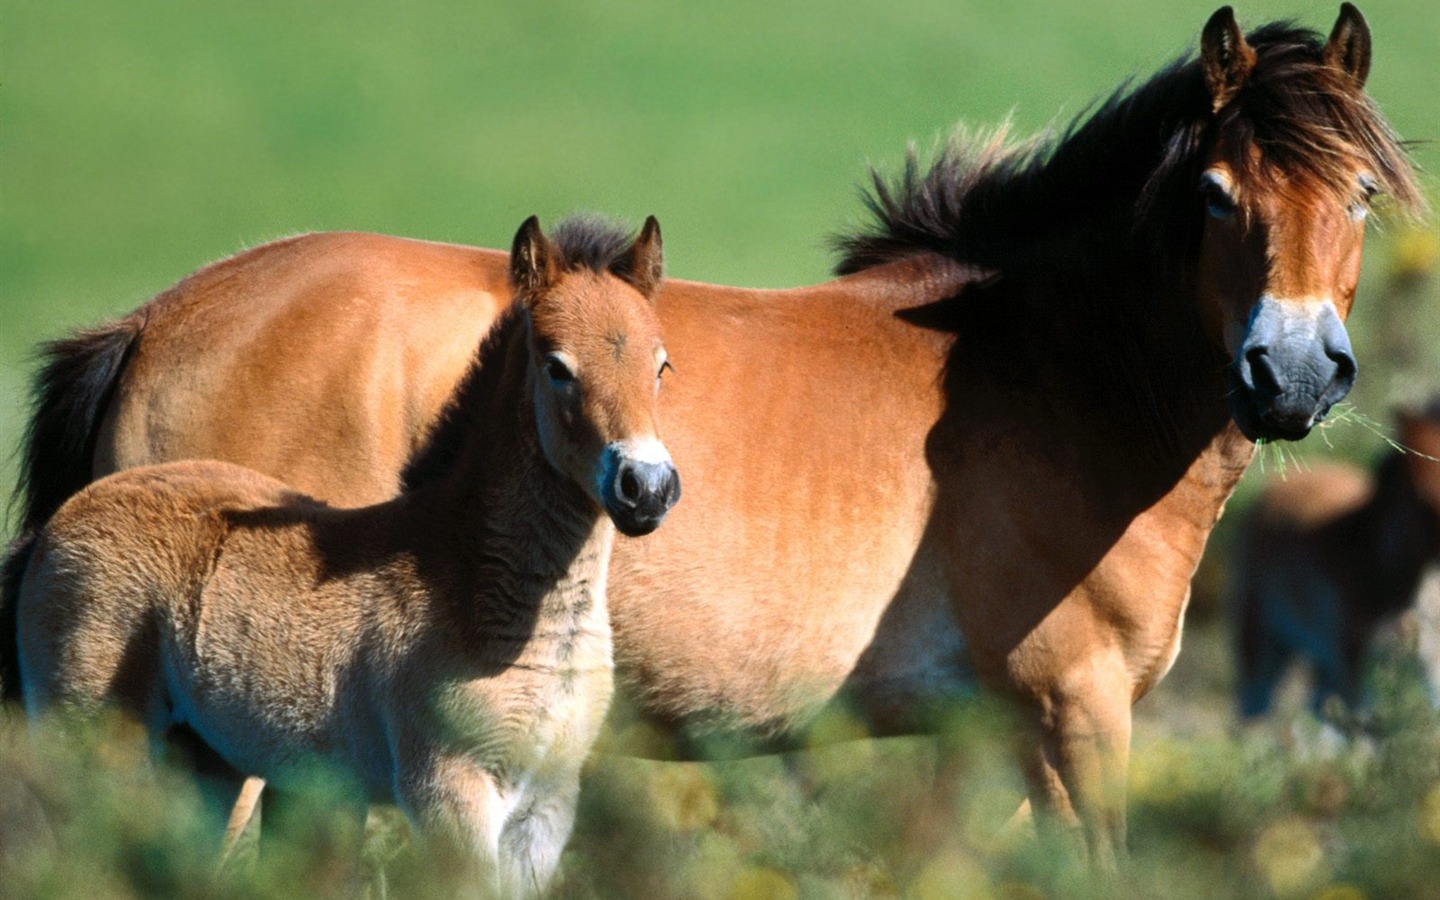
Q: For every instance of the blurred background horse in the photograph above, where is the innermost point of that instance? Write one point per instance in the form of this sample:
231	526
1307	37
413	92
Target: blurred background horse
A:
1330	553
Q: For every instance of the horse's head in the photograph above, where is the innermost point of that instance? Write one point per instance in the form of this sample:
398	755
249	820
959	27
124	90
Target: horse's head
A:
1296	152
596	359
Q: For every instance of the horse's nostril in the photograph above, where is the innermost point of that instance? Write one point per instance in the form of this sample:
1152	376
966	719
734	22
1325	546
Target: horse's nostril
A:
1344	365
1262	376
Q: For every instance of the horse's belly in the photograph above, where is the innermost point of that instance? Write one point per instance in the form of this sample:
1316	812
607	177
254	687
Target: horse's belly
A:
762	653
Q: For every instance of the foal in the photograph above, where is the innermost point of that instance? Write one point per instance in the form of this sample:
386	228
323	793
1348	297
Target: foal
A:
450	649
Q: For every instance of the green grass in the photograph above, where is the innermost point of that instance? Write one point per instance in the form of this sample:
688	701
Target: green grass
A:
140	140
1276	812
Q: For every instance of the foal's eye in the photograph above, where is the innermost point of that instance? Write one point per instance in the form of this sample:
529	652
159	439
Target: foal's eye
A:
1218	202
558	372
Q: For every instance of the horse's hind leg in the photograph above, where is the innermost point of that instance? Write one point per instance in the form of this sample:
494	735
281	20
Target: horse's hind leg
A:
1261	669
242	813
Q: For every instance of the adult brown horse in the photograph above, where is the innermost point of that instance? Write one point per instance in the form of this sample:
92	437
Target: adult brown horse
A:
1326	556
991	452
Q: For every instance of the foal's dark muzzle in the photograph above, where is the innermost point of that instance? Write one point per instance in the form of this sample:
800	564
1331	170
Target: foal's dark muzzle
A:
1292	366
639	493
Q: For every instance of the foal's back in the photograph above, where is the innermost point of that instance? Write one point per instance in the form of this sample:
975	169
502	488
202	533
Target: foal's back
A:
166	566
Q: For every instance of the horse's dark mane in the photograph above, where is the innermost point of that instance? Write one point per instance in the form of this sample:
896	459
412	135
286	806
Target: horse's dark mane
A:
583	241
997	205
1087	236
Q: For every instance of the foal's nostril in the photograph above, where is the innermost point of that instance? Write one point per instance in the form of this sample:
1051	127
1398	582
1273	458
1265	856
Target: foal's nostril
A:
629	486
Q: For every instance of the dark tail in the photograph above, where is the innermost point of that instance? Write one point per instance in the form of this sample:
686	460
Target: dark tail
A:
12	571
69	395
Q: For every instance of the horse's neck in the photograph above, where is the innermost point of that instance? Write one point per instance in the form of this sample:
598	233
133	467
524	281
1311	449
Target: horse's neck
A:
1089	342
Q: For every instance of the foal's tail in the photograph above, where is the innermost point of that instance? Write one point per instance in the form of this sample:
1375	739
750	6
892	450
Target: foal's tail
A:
12	571
74	385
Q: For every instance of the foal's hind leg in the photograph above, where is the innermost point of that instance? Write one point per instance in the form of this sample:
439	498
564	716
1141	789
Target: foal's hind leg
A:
81	649
242	813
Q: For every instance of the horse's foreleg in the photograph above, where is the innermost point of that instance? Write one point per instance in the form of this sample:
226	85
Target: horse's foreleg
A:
241	814
1077	770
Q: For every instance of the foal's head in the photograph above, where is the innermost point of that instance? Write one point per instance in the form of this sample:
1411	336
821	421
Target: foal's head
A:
595	361
1294	153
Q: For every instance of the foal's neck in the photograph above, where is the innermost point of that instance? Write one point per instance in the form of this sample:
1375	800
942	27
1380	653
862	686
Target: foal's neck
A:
527	538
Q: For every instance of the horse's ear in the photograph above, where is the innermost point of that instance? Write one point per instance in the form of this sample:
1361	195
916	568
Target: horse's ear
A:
532	260
643	265
1349	46
1225	58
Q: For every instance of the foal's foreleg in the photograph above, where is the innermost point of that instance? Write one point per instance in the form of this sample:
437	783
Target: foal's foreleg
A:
533	839
457	806
1077	769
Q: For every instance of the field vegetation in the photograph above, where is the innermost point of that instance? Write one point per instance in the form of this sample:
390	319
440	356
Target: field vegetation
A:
140	140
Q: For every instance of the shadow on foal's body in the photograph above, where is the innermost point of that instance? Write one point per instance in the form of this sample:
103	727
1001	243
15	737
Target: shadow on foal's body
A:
449	650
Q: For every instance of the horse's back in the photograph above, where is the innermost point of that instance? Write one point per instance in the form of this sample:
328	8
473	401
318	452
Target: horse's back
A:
342	341
1310	498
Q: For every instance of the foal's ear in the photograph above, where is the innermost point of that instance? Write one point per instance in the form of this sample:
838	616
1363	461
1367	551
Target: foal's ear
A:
643	265
1349	46
1225	58
533	265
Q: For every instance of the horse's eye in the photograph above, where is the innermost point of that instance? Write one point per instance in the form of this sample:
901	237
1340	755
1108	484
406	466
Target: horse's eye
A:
1369	187
557	370
1218	202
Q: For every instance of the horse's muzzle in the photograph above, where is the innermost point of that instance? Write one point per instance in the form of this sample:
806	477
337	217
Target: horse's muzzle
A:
639	492
1293	365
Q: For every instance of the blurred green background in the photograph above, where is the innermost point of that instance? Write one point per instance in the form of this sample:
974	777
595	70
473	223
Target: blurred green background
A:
142	139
